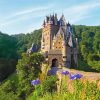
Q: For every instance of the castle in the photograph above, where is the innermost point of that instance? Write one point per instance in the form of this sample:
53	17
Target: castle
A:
58	43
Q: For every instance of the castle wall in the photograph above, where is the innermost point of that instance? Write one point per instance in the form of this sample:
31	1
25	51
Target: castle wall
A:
58	43
68	59
68	54
48	33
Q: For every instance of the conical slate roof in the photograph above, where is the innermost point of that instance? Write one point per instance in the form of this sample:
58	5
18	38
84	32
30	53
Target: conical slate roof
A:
62	21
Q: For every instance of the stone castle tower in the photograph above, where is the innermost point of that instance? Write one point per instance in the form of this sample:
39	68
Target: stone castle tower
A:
58	43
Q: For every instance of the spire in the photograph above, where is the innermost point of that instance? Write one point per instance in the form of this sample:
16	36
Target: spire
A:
68	24
50	17
50	21
55	15
62	15
69	30
32	49
62	21
47	19
55	19
70	42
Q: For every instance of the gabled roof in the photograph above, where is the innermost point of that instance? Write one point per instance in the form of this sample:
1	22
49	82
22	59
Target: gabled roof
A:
60	32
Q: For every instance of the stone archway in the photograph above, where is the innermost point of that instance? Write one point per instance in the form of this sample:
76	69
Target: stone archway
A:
54	62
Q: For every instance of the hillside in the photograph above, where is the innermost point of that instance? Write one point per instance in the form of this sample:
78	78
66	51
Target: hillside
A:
26	68
11	47
88	39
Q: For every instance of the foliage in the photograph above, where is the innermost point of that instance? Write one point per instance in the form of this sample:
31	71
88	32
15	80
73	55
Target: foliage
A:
88	39
8	96
89	45
24	41
89	49
28	68
8	91
49	85
8	55
7	46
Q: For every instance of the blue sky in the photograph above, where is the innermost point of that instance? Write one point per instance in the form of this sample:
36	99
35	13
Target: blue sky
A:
23	16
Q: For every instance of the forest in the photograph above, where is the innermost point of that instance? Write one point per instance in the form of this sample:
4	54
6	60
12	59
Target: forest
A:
14	60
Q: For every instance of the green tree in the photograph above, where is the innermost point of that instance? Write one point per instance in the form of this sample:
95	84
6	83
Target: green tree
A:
8	91
28	68
8	55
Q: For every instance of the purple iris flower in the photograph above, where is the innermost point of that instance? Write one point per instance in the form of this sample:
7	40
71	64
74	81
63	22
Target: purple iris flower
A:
52	71
35	82
75	76
64	72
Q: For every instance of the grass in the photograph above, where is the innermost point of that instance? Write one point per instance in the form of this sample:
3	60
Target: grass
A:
90	92
71	90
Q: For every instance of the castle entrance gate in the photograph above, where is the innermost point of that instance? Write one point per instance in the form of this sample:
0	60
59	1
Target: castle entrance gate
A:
54	63
55	58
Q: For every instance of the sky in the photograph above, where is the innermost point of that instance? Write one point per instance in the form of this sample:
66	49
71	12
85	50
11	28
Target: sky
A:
24	16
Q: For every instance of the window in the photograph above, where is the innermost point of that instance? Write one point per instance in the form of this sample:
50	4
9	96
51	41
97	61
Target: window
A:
64	57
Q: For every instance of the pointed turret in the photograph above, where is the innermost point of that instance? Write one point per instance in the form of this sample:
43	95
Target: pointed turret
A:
70	41
47	19
69	30
68	24
50	20
32	49
62	21
55	19
69	35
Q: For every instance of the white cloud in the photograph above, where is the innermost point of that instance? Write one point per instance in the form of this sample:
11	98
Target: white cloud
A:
74	13
25	14
79	12
31	10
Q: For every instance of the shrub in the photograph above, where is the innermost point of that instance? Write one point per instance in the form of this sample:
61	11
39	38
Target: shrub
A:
49	85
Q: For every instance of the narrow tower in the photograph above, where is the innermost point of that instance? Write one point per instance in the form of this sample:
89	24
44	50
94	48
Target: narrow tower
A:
50	28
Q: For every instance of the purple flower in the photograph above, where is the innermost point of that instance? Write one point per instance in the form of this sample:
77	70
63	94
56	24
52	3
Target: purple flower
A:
52	71
35	82
64	72
75	76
